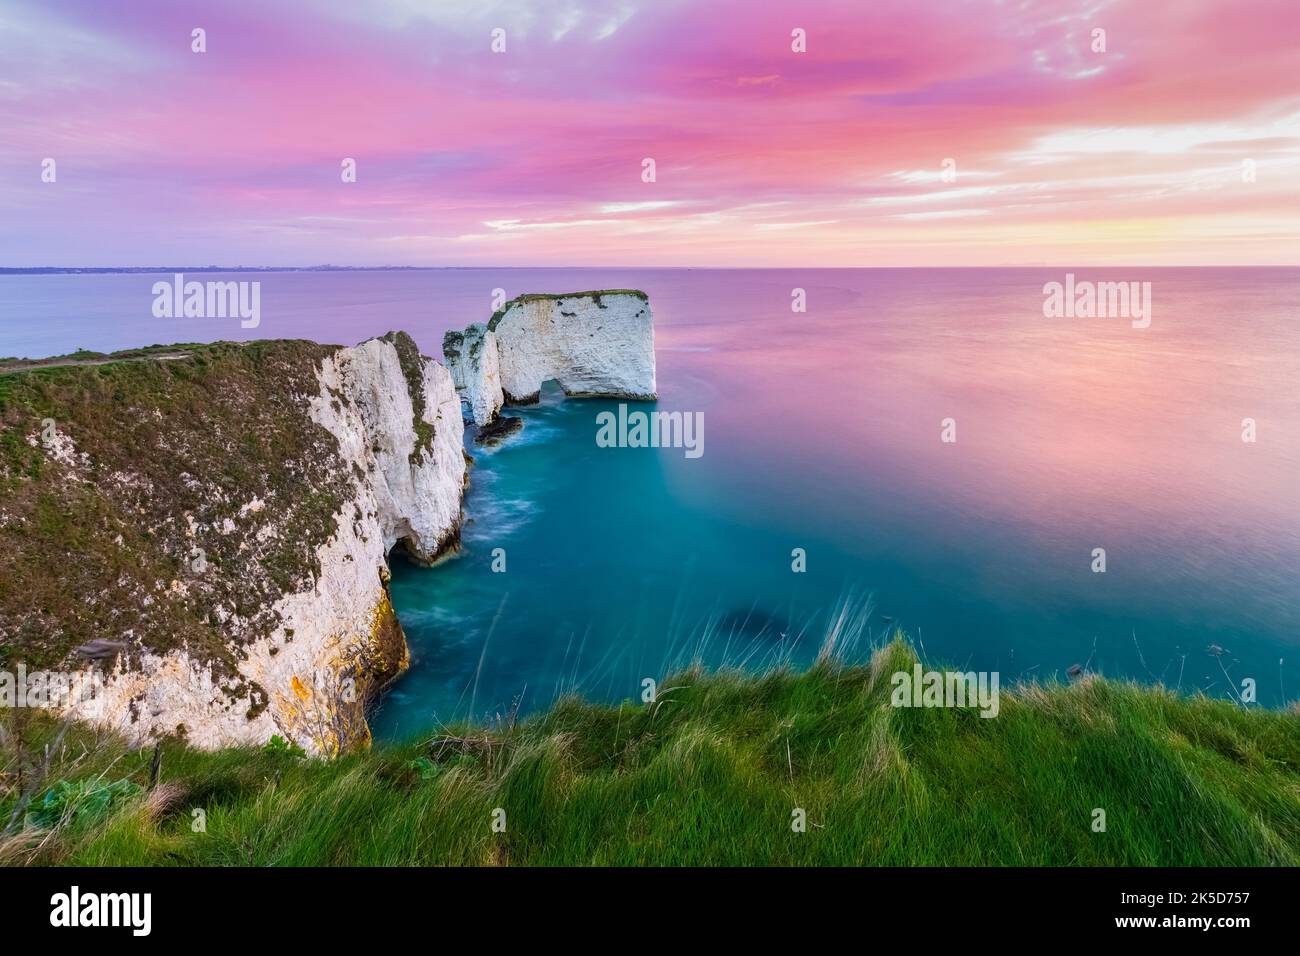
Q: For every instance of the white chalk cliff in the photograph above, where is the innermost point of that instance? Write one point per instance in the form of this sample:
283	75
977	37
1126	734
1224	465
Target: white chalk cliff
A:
474	360
591	343
397	421
292	470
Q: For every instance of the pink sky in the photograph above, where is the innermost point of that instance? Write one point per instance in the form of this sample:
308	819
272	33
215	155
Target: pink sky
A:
764	156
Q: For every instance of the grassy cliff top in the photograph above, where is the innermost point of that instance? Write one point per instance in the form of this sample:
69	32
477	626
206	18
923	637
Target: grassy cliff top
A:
596	294
89	357
712	772
160	497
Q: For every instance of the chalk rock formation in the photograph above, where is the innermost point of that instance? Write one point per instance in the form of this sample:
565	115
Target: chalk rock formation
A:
245	502
591	343
474	361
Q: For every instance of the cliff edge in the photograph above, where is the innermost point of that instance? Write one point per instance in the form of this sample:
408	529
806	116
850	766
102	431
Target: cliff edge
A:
207	533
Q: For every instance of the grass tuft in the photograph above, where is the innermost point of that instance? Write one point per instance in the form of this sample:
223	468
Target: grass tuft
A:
714	771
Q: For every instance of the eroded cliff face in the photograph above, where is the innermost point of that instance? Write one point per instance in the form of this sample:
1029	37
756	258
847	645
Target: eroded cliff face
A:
591	343
473	357
228	518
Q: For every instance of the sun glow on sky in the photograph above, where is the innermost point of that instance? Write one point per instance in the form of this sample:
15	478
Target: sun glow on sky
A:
764	156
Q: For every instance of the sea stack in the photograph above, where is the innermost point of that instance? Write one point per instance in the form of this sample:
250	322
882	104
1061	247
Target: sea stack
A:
474	360
593	344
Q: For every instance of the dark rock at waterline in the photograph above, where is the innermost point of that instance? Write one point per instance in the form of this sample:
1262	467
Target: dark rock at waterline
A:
497	430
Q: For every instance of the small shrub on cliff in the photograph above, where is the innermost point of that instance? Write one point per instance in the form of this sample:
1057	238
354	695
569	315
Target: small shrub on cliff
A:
79	802
278	745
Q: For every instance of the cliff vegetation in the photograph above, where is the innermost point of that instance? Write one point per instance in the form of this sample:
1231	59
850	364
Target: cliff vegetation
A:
160	502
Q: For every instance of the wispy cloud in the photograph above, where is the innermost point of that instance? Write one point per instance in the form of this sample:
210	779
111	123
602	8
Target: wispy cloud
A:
1181	142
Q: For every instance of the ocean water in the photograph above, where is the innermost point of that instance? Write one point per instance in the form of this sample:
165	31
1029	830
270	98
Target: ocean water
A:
822	432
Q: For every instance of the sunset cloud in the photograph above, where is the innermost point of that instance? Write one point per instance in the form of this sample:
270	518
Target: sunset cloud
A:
1178	144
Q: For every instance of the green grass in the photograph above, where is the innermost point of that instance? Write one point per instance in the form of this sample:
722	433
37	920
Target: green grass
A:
710	774
595	294
87	355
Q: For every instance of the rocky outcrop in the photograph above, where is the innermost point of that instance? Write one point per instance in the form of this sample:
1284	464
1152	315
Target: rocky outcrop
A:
401	428
474	360
233	511
206	529
591	343
498	430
